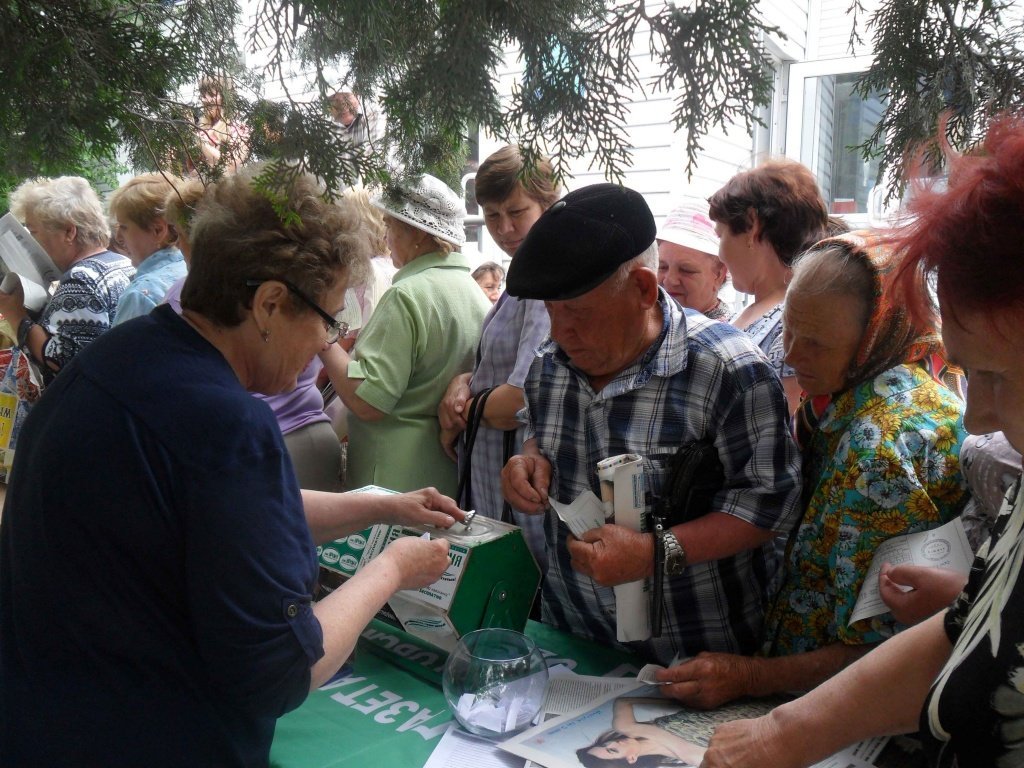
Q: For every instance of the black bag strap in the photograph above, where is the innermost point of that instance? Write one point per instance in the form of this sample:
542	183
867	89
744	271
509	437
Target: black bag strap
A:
508	446
695	474
464	494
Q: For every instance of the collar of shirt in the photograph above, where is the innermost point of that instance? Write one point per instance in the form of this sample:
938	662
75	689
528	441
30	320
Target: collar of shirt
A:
884	389
666	357
158	259
453	260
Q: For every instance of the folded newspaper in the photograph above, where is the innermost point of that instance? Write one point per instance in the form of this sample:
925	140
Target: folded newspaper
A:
24	262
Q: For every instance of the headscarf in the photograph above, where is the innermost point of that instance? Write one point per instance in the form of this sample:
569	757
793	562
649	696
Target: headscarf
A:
890	338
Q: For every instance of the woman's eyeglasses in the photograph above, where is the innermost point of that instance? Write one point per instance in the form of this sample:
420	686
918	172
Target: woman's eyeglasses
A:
336	328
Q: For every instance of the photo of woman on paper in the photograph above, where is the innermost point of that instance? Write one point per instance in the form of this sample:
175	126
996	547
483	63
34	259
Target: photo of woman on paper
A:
632	743
633	728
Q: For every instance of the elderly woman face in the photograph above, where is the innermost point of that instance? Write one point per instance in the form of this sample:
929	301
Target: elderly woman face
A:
294	337
690	277
404	241
821	336
993	358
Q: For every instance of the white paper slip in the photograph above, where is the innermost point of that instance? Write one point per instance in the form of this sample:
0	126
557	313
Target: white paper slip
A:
646	674
585	513
944	547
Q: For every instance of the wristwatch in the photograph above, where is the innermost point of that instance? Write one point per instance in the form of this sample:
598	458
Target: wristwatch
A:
675	554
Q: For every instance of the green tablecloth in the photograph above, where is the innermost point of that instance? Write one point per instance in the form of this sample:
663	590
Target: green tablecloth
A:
384	717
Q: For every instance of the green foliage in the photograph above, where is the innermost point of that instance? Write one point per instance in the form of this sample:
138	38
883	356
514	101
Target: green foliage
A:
84	78
951	62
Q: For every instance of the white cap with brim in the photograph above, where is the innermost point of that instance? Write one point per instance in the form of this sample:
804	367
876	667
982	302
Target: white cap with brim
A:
427	204
690	226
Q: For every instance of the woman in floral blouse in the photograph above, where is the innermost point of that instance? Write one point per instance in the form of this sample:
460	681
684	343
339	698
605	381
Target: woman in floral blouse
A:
956	677
880	434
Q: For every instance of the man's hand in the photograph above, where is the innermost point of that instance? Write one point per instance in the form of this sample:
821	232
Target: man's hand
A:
525	481
613	555
709	680
419	562
932	590
427	506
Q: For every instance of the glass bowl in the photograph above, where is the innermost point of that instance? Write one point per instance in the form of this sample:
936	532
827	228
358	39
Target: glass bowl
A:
494	682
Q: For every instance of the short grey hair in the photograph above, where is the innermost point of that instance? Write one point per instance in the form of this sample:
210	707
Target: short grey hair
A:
60	202
647	259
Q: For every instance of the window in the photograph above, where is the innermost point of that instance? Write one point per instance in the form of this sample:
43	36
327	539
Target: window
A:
826	119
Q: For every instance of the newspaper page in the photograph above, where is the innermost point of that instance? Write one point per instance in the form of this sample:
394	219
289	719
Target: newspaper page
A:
943	547
681	734
21	254
622	485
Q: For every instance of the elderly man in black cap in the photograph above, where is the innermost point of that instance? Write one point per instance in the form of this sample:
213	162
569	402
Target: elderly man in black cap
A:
628	370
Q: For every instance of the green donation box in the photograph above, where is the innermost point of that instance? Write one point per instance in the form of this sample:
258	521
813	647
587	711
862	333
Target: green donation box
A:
491	581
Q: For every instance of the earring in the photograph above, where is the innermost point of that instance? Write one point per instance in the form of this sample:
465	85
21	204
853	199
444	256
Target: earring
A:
265	335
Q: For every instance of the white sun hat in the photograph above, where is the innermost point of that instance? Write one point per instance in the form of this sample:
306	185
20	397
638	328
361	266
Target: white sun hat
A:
690	226
428	204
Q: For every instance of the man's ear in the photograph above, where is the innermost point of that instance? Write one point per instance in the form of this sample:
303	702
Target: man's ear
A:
646	282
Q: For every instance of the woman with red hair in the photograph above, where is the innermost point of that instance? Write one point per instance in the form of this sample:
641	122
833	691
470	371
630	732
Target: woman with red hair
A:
955	677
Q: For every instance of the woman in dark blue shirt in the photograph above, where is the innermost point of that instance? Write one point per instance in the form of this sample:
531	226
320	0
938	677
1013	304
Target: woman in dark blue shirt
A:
157	559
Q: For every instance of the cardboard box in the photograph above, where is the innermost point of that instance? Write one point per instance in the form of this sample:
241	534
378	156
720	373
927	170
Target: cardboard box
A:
491	581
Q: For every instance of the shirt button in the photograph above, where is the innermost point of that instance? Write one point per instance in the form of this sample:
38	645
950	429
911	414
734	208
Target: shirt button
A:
292	610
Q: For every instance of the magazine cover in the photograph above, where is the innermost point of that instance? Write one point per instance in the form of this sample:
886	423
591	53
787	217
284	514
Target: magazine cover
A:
641	728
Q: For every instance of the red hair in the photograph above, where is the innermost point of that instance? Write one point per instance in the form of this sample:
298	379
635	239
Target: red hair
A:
971	235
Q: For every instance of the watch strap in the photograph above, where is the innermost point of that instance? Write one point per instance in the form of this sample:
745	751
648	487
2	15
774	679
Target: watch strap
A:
658	579
675	553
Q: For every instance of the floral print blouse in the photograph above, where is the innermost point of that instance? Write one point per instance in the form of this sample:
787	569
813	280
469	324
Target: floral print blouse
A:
883	462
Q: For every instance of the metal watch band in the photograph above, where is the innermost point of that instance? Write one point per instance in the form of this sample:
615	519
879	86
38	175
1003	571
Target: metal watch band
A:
675	554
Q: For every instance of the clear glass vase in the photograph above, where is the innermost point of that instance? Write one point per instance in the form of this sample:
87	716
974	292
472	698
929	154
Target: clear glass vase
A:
494	682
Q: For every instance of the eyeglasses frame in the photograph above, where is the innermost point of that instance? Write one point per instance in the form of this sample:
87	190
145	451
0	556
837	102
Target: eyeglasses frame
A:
338	328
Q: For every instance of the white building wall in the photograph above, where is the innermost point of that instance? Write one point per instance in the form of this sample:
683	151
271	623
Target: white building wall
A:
830	27
658	167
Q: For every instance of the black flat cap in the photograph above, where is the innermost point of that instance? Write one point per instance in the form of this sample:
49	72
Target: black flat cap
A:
579	242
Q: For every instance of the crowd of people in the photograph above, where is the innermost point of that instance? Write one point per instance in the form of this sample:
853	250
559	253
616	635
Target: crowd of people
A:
181	463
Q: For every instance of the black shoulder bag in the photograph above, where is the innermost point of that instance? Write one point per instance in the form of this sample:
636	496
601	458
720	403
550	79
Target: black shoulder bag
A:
694	475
